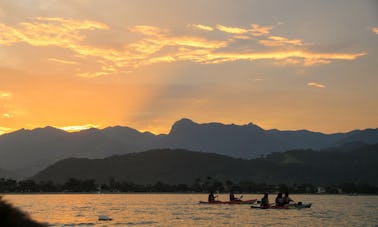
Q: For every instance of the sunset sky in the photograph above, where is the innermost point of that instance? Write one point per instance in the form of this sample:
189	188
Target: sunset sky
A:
287	64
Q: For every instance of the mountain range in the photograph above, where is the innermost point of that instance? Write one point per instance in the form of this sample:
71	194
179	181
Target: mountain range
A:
358	165
25	152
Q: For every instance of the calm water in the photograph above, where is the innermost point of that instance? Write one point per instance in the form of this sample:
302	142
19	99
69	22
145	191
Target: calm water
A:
184	210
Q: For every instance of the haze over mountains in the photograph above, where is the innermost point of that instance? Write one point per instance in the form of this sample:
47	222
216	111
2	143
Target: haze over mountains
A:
26	152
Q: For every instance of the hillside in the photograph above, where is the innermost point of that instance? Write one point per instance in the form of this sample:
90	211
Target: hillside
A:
181	166
25	152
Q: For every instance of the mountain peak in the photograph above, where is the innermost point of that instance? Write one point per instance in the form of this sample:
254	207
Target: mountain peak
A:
183	123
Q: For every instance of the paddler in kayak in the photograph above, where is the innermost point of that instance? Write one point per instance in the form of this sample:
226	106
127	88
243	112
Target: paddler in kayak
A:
279	200
286	199
233	198
265	201
211	198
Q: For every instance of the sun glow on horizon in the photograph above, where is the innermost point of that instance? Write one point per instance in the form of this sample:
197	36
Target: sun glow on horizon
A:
76	128
123	64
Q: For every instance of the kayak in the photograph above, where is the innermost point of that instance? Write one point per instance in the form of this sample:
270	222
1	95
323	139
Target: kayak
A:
289	206
250	201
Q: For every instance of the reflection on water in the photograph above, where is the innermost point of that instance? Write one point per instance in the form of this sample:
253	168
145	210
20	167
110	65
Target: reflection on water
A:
183	209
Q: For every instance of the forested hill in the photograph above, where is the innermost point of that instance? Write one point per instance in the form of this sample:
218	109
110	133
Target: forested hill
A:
181	166
42	147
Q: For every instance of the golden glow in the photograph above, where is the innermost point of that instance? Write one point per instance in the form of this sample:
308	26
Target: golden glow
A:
258	30
309	58
48	31
232	30
76	128
375	30
276	41
317	85
62	61
4	130
153	47
7	115
197	42
85	73
5	95
148	30
202	27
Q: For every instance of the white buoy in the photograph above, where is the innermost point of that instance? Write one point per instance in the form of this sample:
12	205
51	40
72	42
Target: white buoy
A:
104	218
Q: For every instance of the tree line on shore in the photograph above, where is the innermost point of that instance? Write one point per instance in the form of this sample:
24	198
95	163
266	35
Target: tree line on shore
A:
205	185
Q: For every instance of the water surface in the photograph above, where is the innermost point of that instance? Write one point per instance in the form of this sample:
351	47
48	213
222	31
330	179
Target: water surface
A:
184	210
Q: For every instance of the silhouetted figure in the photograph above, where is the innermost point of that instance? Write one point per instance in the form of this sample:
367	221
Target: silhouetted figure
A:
265	200
10	216
232	196
279	200
211	198
286	199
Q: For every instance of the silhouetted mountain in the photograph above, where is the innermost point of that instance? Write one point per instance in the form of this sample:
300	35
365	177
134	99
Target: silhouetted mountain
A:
27	151
369	136
129	136
305	139
233	140
181	166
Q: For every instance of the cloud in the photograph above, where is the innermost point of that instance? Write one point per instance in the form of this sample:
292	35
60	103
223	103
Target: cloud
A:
48	31
4	130
62	61
202	27
155	45
258	30
7	115
276	41
375	30
232	30
316	85
255	30
5	95
283	55
148	30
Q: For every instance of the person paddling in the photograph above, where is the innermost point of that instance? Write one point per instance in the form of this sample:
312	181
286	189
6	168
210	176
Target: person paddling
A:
233	198
211	198
265	201
286	199
279	200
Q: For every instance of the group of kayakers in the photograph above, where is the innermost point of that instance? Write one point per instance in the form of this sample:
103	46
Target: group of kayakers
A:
212	197
232	197
279	201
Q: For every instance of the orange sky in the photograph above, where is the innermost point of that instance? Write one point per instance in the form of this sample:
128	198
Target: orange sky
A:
79	64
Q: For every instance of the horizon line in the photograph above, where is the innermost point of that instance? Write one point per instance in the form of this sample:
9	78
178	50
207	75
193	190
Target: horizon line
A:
80	128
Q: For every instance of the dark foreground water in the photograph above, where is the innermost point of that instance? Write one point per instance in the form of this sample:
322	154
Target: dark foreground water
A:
184	210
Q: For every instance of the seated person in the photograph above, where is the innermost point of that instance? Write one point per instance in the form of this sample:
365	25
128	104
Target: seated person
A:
265	200
211	197
232	197
286	199
279	200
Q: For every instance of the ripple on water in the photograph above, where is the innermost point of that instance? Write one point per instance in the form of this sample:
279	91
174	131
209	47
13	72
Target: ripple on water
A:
135	223
79	224
164	210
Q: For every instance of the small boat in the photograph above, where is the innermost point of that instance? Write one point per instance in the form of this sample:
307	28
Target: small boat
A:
250	201
289	206
104	218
